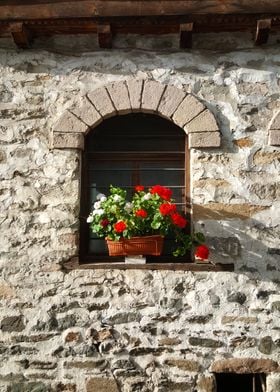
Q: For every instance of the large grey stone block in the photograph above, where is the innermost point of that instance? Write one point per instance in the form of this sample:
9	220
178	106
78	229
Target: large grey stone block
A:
171	99
99	384
135	88
151	96
68	140
12	324
86	112
119	95
102	102
68	122
204	139
204	122
189	108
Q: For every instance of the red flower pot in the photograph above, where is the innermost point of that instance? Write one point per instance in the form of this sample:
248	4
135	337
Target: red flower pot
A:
147	245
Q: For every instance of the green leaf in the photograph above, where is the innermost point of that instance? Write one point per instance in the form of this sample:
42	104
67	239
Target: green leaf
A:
199	238
155	225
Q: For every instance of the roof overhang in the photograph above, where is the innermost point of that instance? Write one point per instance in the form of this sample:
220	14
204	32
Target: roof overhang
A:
25	20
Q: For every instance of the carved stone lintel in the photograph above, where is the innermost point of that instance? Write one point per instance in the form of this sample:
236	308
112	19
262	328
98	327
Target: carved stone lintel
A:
245	365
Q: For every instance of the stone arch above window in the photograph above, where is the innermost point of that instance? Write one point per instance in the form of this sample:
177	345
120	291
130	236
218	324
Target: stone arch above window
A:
147	96
274	131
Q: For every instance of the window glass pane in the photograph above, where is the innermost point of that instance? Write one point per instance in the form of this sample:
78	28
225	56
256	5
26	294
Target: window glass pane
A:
105	178
109	164
167	165
136	132
125	174
97	246
165	178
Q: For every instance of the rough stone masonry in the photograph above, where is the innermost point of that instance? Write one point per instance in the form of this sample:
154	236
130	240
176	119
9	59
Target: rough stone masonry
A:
148	331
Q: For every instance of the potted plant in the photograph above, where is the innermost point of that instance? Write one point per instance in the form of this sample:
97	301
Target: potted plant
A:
138	227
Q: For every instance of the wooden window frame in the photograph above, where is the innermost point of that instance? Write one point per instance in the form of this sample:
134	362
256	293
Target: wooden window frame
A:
88	261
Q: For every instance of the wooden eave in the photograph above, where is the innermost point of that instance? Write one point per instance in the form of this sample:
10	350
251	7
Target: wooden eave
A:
25	20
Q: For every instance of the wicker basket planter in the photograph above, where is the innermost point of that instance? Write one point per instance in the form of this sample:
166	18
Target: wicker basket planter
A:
147	245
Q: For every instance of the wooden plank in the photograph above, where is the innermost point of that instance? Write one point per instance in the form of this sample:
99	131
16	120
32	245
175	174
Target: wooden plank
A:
103	8
104	36
142	25
263	30
186	31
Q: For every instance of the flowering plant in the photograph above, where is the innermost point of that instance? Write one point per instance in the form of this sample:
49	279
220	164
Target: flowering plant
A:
149	213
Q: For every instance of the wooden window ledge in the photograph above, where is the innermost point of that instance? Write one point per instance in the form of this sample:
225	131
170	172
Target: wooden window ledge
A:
74	264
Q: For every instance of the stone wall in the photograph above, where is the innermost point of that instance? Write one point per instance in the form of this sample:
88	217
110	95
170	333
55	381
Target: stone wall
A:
152	331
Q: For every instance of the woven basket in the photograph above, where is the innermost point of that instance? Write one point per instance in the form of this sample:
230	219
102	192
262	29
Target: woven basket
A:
147	245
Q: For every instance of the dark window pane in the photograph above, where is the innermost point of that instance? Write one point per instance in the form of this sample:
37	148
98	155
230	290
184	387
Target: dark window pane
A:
231	382
136	132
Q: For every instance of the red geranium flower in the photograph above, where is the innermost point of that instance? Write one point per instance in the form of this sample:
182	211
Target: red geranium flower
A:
178	220
139	188
104	222
202	252
141	213
167	209
120	226
164	193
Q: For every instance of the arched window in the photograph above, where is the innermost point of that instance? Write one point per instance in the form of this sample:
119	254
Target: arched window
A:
127	150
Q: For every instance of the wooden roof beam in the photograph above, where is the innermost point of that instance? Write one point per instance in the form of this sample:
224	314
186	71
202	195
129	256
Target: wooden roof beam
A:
21	35
105	36
186	30
53	9
262	32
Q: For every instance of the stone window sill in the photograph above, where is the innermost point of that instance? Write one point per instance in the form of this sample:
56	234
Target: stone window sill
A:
74	264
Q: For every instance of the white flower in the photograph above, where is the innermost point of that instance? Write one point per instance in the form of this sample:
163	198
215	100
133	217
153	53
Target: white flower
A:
97	205
90	219
128	207
147	196
99	196
98	212
103	198
117	198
